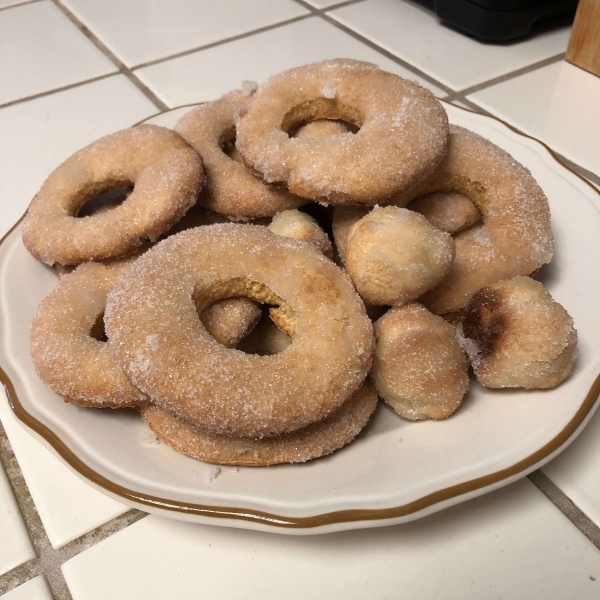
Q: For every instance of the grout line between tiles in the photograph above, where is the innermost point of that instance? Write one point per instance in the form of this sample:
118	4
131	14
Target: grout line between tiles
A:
49	560
57	90
120	66
233	38
566	507
323	14
19	5
516	73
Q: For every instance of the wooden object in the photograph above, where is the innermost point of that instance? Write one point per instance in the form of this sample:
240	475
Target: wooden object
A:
584	44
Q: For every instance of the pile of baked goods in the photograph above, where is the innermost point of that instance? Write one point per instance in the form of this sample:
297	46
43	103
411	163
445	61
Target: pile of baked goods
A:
263	342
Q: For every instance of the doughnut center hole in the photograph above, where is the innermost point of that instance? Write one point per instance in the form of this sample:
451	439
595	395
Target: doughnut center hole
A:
231	310
227	144
105	201
318	109
97	331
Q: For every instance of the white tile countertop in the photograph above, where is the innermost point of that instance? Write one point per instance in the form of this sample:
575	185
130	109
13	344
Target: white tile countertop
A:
74	70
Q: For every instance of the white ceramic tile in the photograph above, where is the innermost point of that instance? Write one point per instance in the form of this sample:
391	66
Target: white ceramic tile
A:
414	33
559	104
139	31
15	547
41	50
5	3
255	58
576	471
67	506
34	589
36	136
512	543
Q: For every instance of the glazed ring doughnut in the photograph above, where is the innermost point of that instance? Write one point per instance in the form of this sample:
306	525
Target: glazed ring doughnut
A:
158	340
515	237
231	189
447	211
65	354
419	368
312	441
518	336
166	173
403	132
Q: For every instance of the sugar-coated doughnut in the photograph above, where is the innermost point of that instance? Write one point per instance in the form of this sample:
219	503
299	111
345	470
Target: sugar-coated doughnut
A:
312	441
447	211
393	255
65	355
300	226
161	345
419	368
167	175
515	237
230	321
403	132
518	336
230	189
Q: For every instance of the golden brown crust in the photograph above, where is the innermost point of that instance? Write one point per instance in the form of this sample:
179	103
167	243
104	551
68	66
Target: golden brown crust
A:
167	175
403	132
185	371
231	189
419	367
313	441
518	336
394	255
515	237
65	355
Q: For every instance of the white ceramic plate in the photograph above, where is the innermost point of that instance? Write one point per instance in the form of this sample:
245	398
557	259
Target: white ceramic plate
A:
396	470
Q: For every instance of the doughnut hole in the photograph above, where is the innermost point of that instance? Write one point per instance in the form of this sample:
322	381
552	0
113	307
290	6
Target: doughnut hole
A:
105	201
419	368
322	128
238	309
517	336
394	255
97	331
227	144
266	338
320	109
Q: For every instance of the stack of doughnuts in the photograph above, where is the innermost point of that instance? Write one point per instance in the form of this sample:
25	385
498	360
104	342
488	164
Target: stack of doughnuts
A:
263	342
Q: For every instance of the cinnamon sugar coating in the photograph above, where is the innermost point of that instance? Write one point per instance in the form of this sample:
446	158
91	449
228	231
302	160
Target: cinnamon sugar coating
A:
344	217
515	237
321	128
65	355
419	368
231	189
403	132
394	255
167	175
447	211
518	336
312	441
161	345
